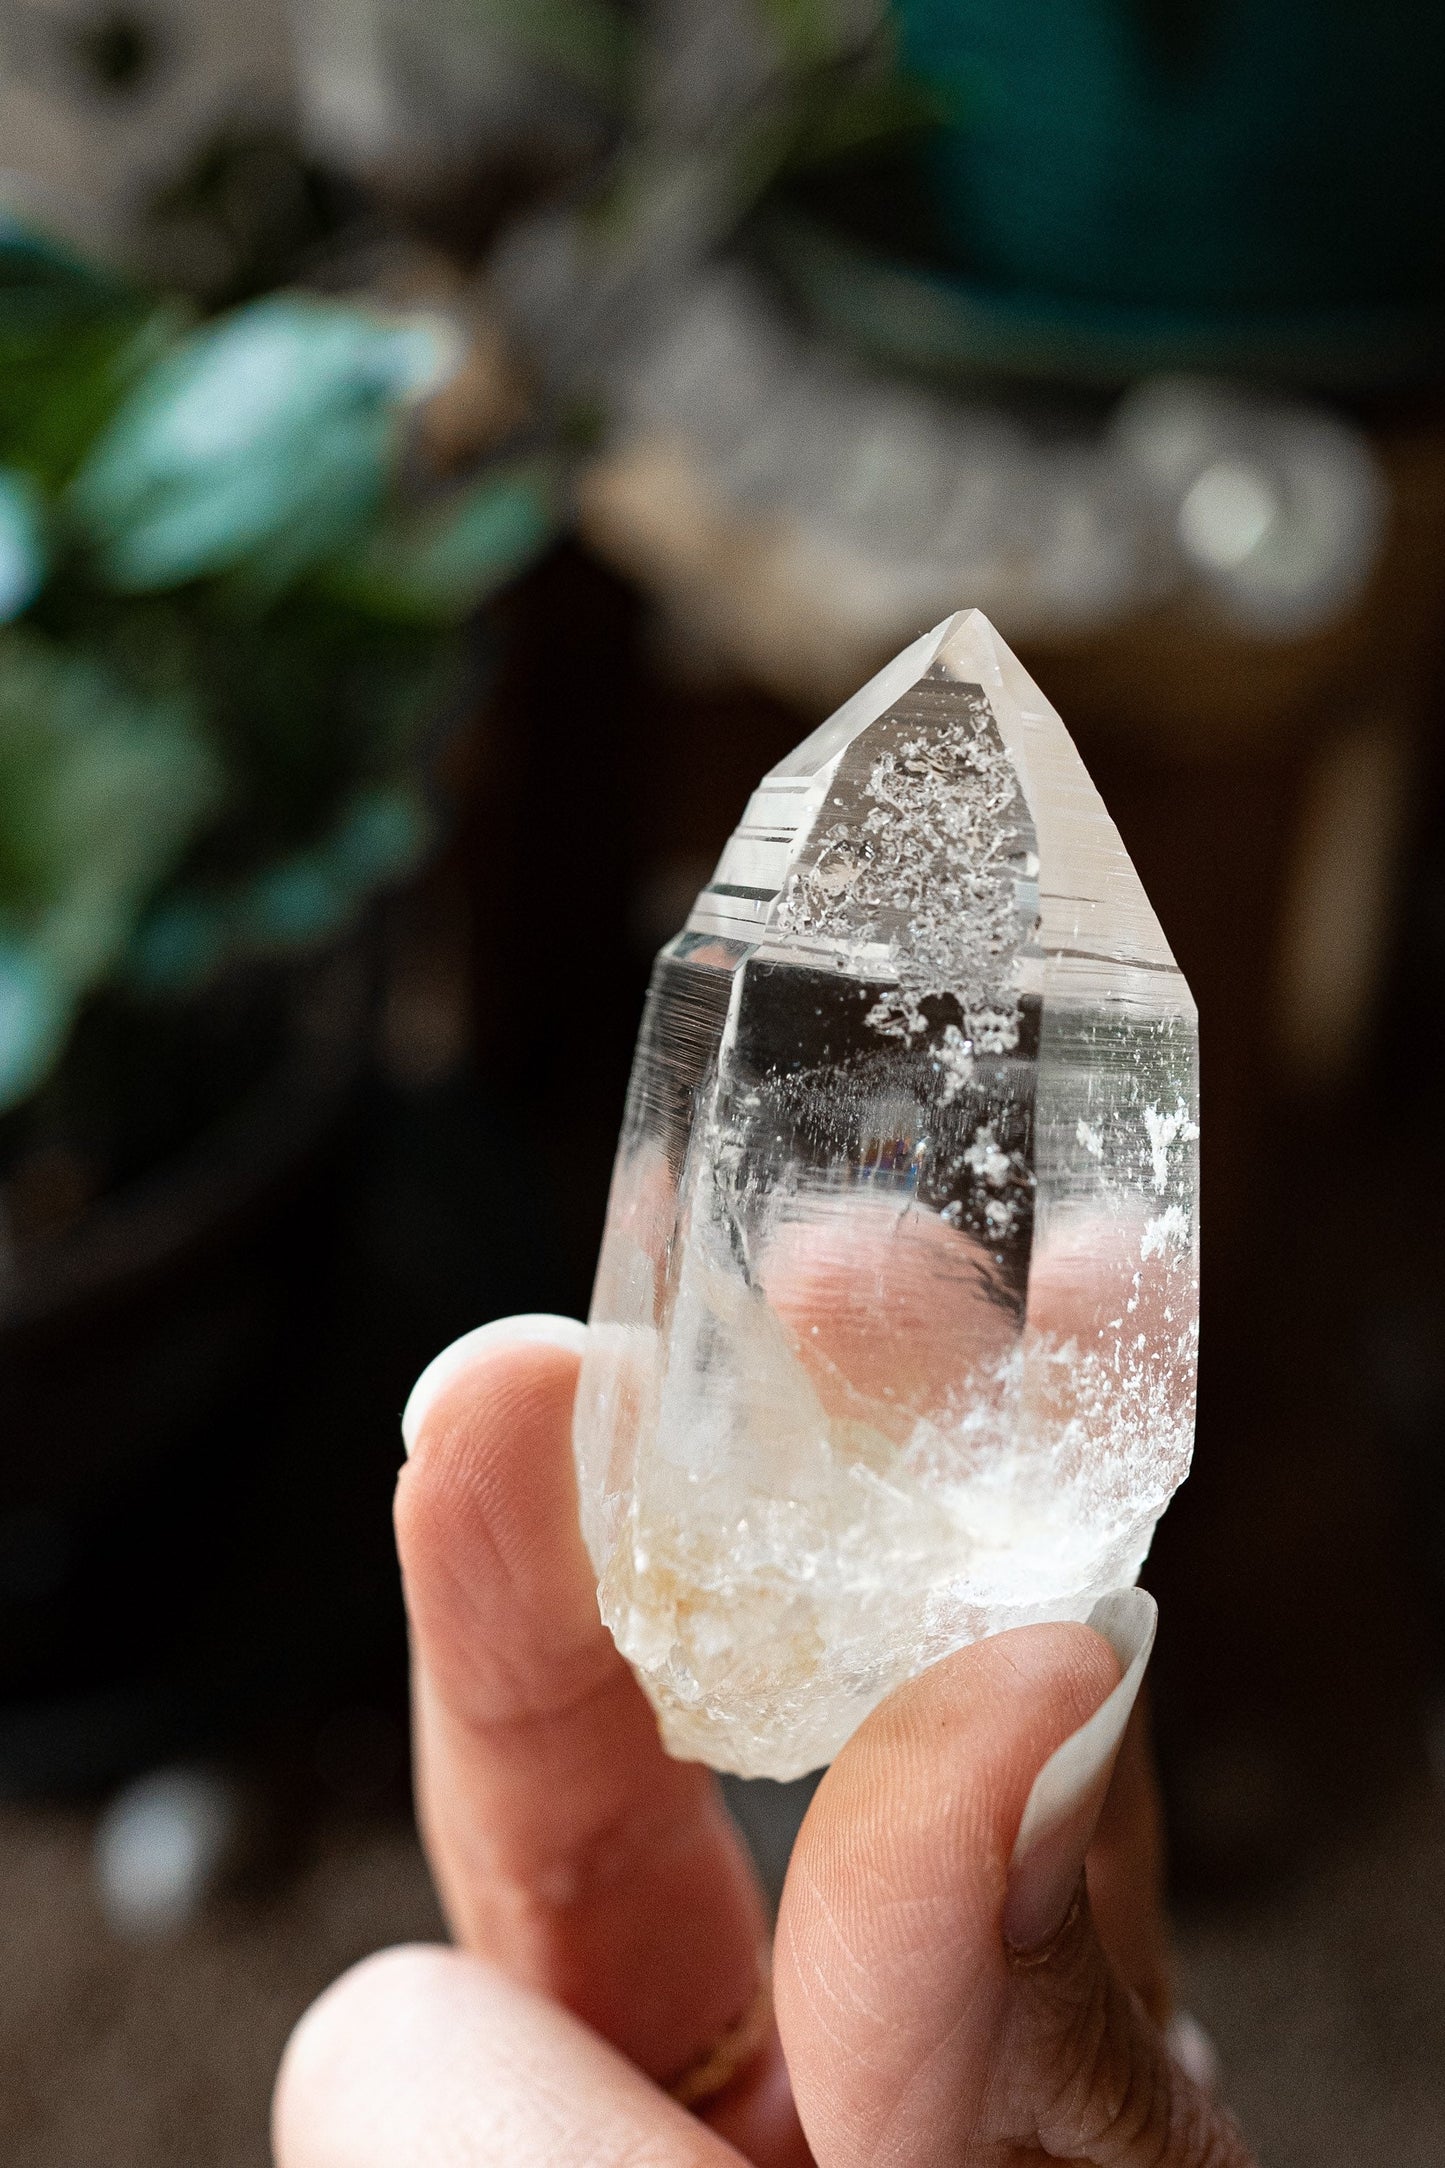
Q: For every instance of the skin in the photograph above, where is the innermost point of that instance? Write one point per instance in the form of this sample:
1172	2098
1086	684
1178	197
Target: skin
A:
608	1929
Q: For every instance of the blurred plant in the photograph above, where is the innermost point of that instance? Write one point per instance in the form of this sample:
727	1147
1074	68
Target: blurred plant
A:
713	103
809	438
231	618
702	102
719	112
752	92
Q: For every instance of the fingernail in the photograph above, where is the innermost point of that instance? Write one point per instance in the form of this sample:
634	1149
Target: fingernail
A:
1068	1794
535	1330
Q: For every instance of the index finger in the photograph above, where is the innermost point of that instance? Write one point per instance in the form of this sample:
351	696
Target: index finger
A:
566	1844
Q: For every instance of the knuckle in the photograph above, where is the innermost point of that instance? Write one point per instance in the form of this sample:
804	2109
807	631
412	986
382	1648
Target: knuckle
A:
603	1857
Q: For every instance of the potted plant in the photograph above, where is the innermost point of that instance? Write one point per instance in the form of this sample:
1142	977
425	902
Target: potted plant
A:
235	612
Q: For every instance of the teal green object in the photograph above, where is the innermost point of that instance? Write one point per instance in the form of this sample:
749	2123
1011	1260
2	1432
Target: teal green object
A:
43	285
22	546
435	565
101	792
34	1011
178	945
296	904
290	904
266	440
383	833
1203	158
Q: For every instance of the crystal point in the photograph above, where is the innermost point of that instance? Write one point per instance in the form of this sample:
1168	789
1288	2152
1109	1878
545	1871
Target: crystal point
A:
895	1320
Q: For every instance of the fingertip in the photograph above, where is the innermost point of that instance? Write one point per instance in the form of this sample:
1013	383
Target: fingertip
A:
926	1798
420	2055
898	1882
987	1707
361	2016
534	1329
496	1577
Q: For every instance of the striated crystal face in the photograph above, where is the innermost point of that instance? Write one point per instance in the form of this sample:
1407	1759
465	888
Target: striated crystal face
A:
895	1321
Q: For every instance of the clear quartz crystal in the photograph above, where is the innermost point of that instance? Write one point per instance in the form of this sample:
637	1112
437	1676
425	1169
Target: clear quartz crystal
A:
895	1321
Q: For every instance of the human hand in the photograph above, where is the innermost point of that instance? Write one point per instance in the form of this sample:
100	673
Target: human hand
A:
611	1937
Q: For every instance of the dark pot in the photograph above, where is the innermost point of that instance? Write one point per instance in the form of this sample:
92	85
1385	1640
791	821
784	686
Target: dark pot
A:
139	1352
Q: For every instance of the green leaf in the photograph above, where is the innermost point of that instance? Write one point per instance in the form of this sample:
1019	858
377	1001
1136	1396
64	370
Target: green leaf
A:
381	835
178	945
57	392
310	895
70	336
43	283
265	442
296	904
22	545
289	903
35	1013
436	565
100	792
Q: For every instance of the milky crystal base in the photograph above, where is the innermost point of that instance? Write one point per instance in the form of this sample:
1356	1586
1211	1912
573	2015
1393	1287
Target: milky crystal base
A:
895	1321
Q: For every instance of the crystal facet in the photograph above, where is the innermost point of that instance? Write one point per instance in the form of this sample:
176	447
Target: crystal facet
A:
895	1321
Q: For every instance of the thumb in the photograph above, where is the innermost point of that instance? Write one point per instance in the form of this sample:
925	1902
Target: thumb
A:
941	1990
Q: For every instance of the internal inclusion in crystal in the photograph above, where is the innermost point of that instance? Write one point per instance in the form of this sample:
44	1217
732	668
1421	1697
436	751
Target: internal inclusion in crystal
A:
895	1320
